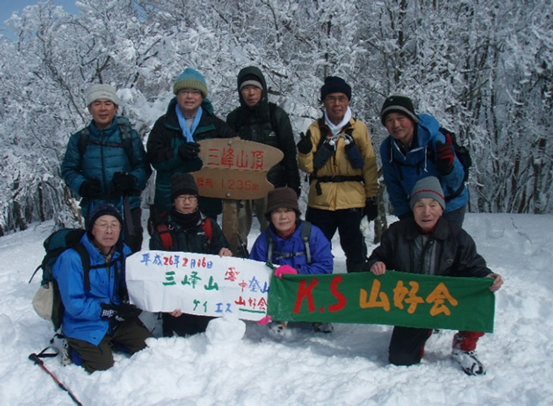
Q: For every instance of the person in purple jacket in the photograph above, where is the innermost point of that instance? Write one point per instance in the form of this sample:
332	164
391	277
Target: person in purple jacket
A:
295	245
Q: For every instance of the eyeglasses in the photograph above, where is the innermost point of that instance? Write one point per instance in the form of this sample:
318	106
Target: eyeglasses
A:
183	198
190	92
336	99
105	226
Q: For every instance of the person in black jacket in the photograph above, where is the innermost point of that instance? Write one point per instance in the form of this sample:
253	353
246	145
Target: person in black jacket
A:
258	120
172	144
428	244
184	229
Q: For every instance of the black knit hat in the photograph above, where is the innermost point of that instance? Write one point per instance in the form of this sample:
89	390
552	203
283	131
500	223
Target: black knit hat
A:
183	184
398	104
104	209
282	197
334	84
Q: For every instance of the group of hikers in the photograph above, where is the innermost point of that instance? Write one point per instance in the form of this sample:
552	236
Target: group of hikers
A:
107	166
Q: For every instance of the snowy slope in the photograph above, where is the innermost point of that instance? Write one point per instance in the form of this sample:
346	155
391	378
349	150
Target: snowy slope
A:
347	367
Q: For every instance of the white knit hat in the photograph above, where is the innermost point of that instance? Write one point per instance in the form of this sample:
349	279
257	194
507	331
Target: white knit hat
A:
101	91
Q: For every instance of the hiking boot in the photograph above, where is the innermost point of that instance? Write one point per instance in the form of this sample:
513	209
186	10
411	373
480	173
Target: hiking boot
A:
323	327
278	327
468	361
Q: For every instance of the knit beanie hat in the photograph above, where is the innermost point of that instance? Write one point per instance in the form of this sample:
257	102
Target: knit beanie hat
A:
398	104
334	84
100	91
251	80
103	209
282	197
427	187
190	79
183	184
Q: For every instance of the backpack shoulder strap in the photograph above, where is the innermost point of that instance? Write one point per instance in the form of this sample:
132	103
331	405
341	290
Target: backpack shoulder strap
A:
165	236
126	137
305	235
270	244
208	230
85	259
83	140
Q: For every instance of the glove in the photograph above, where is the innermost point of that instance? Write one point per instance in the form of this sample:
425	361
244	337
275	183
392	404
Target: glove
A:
189	150
304	145
91	189
371	209
119	312
446	156
123	183
284	269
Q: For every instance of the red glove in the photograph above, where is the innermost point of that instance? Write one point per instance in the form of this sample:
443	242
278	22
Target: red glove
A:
446	156
283	269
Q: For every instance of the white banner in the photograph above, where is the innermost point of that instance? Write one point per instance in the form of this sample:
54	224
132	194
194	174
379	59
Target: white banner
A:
202	284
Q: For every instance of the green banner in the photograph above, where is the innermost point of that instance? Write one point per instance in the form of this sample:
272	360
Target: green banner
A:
395	298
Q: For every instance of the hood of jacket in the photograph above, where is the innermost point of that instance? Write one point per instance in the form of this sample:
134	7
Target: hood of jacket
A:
262	108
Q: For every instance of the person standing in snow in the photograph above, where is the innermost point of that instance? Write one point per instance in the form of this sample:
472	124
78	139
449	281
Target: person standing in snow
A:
106	162
296	245
261	121
96	319
426	243
172	144
338	155
184	229
414	149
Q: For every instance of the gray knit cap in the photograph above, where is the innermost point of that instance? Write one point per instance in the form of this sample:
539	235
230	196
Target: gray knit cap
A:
101	91
427	187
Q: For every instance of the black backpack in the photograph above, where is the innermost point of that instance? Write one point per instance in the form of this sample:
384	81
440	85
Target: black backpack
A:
463	154
55	245
305	234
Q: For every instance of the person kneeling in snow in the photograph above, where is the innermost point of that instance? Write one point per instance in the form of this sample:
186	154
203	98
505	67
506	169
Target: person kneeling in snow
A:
282	243
186	228
428	244
96	317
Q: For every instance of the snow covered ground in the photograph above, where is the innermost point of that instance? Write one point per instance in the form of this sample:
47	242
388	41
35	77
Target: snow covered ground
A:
347	367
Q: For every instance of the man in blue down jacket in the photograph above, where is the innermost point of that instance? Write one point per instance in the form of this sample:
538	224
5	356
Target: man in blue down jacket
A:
414	150
111	166
97	318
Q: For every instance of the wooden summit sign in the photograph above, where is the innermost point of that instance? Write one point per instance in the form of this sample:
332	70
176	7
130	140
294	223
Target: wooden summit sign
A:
235	169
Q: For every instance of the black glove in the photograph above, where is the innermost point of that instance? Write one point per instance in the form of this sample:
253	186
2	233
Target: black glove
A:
123	183
446	156
189	150
371	209
304	145
91	189
119	312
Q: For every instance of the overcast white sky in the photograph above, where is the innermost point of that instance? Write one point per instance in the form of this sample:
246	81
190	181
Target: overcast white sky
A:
7	7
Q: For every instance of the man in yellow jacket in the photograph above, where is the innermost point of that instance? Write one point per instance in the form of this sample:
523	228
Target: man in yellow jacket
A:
337	153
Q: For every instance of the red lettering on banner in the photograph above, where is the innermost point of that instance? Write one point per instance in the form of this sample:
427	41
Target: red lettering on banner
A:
307	293
338	295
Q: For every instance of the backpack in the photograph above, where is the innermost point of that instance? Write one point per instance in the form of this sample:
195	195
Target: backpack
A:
47	301
167	239
305	234
463	154
125	129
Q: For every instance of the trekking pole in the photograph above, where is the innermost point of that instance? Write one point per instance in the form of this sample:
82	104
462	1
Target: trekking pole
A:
34	357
